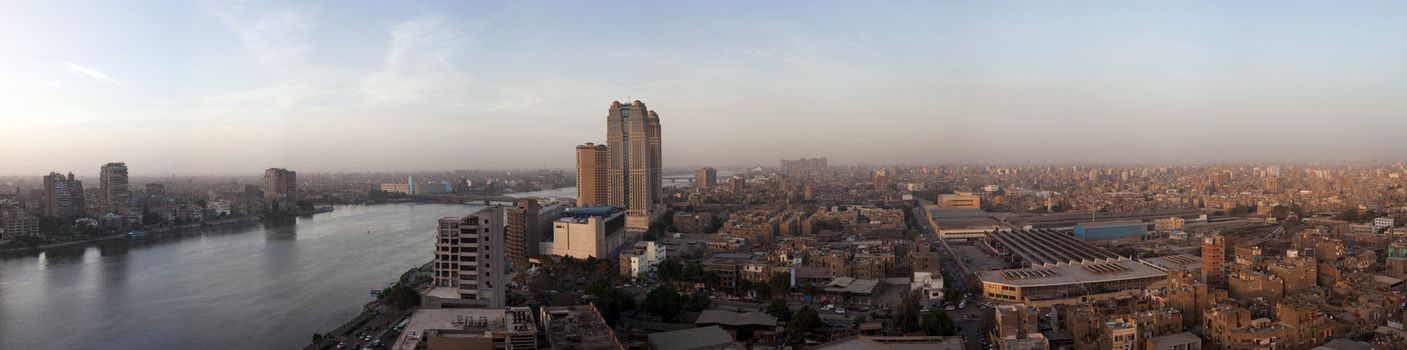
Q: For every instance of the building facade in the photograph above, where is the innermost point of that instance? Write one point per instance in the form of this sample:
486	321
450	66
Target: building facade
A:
63	196
592	187
115	194
588	232
522	233
280	189
705	178
469	257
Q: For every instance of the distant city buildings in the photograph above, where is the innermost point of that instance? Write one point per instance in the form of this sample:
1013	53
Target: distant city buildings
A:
280	189
705	178
63	196
114	195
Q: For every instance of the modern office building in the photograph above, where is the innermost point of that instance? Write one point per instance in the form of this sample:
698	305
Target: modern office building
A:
522	232
1214	260
280	189
115	194
469	259
705	178
592	187
633	140
587	232
63	196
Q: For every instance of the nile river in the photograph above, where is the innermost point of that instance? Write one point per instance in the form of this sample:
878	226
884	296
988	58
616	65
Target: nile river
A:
267	285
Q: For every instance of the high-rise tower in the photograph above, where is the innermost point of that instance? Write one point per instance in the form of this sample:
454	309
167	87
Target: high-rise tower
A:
1214	260
522	233
469	257
592	187
112	181
633	142
63	196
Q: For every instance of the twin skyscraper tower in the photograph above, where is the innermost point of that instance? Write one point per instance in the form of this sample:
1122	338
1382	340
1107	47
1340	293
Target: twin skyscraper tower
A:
625	172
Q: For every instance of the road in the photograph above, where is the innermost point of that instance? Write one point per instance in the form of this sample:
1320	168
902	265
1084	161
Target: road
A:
955	274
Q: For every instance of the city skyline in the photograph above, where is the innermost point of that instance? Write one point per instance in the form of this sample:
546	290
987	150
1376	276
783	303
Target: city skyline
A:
323	87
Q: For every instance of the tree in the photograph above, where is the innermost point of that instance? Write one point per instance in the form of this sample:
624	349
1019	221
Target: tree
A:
401	296
663	302
610	300
906	313
937	323
697	302
780	283
802	322
779	309
670	270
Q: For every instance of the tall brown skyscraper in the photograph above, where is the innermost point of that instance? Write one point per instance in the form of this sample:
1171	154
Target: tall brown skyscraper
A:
633	140
114	194
592	189
1214	260
522	233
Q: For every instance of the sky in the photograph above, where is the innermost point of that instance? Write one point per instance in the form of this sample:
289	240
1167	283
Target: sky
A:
233	87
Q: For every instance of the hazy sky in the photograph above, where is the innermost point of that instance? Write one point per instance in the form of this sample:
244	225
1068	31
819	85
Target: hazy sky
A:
234	87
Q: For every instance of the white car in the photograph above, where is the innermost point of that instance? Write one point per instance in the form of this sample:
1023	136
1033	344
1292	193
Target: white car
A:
840	310
828	307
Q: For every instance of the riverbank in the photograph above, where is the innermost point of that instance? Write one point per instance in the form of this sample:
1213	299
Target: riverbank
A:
152	234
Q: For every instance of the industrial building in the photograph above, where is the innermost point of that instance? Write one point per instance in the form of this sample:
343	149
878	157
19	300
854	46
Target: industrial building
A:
1045	248
1037	284
1111	231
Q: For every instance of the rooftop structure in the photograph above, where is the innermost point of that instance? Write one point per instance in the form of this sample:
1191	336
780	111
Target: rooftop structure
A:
1047	247
702	338
577	327
1064	281
505	329
1179	262
1060	220
961	223
894	343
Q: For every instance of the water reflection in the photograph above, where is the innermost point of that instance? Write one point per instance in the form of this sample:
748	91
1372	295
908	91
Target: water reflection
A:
265	285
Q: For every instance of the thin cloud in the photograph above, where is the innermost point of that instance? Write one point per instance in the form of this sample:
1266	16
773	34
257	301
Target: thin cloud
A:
95	74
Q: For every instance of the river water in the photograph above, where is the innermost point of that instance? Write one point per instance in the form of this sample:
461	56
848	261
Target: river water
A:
266	285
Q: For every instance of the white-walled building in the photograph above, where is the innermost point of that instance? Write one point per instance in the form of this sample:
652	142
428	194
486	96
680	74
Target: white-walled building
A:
641	258
587	232
930	283
470	259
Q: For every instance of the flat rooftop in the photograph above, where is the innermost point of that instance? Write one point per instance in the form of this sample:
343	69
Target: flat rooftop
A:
961	218
578	327
1071	218
1044	247
481	320
1108	271
1178	262
711	337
